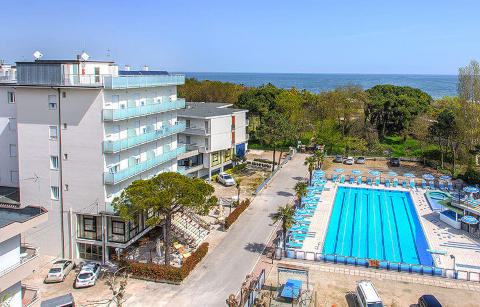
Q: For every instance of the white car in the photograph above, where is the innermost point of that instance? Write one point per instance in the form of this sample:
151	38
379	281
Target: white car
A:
367	295
349	161
226	179
59	271
88	275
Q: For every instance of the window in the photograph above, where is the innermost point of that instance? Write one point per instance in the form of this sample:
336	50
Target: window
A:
54	193
14	176
90	251
52	102
11	97
53	162
187	139
12	123
97	74
13	150
65	156
52	132
206	144
187	123
64	94
89	224
118	228
115	98
64	126
67	187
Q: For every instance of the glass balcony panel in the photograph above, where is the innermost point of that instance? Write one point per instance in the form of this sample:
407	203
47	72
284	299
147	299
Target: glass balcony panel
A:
120	114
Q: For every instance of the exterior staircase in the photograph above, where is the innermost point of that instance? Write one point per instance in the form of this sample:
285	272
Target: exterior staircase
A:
193	228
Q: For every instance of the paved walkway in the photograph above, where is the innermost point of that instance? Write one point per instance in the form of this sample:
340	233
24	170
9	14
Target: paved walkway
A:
224	268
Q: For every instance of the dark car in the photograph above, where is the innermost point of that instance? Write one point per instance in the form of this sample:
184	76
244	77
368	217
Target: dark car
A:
395	162
428	300
338	159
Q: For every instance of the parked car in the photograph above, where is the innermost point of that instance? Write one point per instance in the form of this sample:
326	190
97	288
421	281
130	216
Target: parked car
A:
338	159
395	162
88	275
367	295
226	179
65	300
360	160
428	300
350	160
59	270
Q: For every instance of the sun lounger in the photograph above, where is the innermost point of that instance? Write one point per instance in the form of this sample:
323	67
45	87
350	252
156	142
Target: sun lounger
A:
440	184
369	181
334	179
342	179
412	183
377	181
395	182
359	180
450	186
432	185
387	182
294	245
351	179
404	183
424	185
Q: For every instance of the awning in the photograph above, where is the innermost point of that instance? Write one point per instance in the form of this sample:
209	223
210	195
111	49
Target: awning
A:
292	288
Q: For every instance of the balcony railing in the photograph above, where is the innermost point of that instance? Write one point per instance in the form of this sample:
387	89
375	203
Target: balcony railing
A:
21	269
197	130
143	81
194	146
120	114
181	170
113	178
30	295
115	146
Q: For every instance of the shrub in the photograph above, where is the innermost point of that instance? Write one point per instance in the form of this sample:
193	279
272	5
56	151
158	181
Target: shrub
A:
162	272
239	168
232	217
471	176
264	161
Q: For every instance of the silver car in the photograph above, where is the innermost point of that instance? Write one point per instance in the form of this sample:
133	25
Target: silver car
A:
59	271
349	161
226	179
88	275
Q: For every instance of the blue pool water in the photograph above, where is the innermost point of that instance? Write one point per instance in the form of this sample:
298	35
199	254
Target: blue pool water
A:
376	224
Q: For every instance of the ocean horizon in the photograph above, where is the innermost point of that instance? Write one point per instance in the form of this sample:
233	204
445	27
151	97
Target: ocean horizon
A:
436	86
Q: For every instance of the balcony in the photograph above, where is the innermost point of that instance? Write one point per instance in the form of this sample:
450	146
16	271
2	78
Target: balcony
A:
247	122
29	261
136	111
113	178
142	81
181	170
116	146
196	130
30	296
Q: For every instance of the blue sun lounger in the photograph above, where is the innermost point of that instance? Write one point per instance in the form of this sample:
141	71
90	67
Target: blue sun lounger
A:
395	182
294	244
334	179
342	179
351	179
359	180
404	183
441	185
450	186
377	181
412	184
424	185
432	185
369	181
387	182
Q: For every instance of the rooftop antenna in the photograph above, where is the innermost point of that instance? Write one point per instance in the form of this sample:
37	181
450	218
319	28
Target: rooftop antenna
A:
84	56
37	55
108	52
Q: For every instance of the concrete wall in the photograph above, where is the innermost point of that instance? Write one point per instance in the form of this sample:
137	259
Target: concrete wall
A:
8	139
9	252
240	128
221	133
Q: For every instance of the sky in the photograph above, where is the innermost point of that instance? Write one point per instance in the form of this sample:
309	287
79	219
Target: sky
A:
323	36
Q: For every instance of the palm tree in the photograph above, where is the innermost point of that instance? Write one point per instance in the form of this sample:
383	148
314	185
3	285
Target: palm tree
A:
237	185
320	157
300	189
310	161
285	216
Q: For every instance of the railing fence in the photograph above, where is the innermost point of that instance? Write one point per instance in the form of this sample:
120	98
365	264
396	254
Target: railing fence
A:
264	183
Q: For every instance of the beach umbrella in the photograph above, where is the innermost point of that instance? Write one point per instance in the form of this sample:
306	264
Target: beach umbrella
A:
319	172
445	177
470	189
428	176
469	219
374	173
410	175
356	172
301	211
338	170
392	174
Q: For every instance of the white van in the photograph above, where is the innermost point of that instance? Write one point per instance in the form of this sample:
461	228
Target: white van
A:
367	295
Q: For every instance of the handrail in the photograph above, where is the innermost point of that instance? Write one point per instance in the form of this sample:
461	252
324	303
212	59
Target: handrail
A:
262	185
22	261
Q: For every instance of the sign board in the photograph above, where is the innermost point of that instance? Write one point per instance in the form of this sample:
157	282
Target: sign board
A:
373	263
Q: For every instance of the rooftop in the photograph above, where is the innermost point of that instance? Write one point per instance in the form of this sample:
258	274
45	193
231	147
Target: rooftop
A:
208	109
9	196
10	215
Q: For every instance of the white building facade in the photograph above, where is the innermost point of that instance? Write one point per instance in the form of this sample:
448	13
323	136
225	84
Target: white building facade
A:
85	132
214	133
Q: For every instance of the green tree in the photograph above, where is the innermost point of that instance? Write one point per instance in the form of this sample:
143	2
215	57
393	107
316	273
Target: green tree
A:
238	185
272	131
445	129
391	108
163	196
327	133
311	162
300	189
284	215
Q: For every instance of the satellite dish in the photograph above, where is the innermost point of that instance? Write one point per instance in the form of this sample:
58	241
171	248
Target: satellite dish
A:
84	56
37	54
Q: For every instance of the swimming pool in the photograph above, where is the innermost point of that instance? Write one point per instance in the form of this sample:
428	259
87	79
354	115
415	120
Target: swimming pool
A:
376	224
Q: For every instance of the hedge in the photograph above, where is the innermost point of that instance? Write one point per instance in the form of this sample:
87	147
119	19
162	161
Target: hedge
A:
162	272
232	217
264	161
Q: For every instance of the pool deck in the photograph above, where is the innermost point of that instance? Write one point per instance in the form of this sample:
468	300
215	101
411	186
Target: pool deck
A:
440	236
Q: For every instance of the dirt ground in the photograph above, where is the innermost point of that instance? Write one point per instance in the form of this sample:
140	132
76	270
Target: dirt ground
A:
264	154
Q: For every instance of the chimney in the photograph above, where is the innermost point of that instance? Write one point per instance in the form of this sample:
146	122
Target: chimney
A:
127	67
145	68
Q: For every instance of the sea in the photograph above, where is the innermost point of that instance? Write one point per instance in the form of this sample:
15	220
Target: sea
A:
436	86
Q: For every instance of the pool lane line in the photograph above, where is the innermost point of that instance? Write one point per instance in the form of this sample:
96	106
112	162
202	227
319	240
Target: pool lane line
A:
381	226
339	219
396	227
411	230
360	223
390	225
368	243
346	215
375	223
353	225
